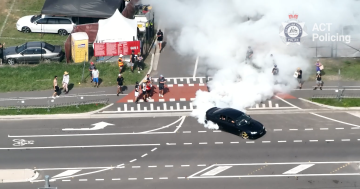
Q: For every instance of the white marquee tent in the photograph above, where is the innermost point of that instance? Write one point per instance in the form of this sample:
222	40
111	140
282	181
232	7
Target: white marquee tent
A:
117	28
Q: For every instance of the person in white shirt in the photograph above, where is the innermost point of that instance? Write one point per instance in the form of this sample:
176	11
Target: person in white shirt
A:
65	82
96	74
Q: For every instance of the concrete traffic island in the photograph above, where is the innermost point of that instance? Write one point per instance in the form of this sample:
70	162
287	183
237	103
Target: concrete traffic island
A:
17	175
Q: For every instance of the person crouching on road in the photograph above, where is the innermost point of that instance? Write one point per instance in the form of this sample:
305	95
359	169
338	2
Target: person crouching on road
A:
65	82
318	80
143	89
120	63
120	82
137	89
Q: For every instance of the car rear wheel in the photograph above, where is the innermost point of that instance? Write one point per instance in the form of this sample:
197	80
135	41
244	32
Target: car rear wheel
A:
11	61
244	135
26	29
62	32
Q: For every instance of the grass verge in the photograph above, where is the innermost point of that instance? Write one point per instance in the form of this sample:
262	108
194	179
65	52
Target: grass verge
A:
60	110
348	102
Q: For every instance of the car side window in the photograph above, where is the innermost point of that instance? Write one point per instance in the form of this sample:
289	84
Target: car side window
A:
230	120
42	21
222	117
53	21
28	51
64	21
39	51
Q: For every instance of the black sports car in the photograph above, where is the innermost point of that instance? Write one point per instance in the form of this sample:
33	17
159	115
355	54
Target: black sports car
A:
228	118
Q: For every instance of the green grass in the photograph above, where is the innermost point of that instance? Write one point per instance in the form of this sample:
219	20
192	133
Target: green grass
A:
60	110
342	103
40	76
36	5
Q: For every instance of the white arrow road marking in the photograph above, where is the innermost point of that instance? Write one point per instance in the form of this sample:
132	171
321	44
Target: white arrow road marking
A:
97	126
66	173
298	169
216	171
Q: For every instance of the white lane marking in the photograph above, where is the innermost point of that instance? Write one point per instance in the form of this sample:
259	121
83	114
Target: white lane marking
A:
355	127
339	128
166	126
358	139
216	171
152	166
203	143
132	160
282	141
268	176
287	102
217	131
250	142
136	167
265	141
297	140
116	179
144	155
202	131
309	129
196	65
99	179
218	142
186	131
187	143
234	142
82	180
148	178
345	139
181	177
277	129
169	165
171	144
293	129
163	178
132	178
185	165
335	120
66	180
153	149
329	140
201	165
313	140
67	173
298	169
324	129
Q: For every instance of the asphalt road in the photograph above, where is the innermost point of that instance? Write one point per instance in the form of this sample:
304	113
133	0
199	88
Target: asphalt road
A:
177	151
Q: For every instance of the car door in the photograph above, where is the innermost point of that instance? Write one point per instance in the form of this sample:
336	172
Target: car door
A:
38	54
27	56
66	24
52	25
230	122
39	25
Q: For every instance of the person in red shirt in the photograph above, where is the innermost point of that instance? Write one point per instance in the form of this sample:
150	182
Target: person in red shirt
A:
148	90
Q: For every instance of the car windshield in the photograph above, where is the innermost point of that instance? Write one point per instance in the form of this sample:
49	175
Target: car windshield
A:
20	48
243	120
49	47
35	17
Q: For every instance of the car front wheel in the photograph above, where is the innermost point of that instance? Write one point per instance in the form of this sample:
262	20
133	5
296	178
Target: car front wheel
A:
244	135
11	61
62	32
26	29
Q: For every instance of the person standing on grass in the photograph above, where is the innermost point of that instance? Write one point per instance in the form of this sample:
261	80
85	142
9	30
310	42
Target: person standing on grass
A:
2	52
137	89
65	82
139	62
318	80
95	75
120	82
160	36
56	88
120	63
162	82
91	68
132	60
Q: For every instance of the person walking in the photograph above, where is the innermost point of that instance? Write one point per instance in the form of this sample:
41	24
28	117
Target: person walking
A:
95	74
318	80
275	70
299	77
143	88
91	68
56	88
249	54
139	62
120	63
150	81
318	65
137	89
132	60
120	82
148	90
65	82
162	82
160	36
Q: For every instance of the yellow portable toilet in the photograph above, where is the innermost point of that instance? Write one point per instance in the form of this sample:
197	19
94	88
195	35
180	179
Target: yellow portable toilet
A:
80	47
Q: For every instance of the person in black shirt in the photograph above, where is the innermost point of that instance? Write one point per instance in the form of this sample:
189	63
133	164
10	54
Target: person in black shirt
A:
162	82
299	78
120	82
318	80
160	38
132	60
2	52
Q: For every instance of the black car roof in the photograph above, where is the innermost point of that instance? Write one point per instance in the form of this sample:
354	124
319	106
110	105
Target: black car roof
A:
230	112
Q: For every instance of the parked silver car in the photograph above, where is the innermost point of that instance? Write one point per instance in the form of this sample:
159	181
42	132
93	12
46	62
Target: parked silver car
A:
33	52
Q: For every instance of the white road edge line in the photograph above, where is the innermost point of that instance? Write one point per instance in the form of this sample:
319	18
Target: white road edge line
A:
196	65
335	120
287	102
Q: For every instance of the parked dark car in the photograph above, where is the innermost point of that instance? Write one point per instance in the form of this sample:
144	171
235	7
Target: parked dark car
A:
228	118
33	52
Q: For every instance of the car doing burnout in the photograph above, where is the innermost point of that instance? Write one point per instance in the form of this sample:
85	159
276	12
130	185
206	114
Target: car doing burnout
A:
228	118
32	52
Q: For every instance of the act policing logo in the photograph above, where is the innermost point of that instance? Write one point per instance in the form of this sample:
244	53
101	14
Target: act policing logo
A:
292	30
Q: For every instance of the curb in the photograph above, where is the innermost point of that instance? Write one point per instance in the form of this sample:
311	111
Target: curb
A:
330	107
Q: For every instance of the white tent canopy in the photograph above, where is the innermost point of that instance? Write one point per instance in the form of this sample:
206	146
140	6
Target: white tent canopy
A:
117	28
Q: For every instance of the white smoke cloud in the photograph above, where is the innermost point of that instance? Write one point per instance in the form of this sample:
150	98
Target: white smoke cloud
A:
220	32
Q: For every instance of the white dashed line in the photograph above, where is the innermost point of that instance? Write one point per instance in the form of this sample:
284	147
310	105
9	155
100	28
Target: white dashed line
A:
345	139
116	179
186	131
322	129
153	149
163	178
202	131
135	167
170	143
185	165
187	143
201	165
99	179
250	142
277	129
152	166
203	143
329	140
132	178
218	142
309	129
339	128
234	142
144	155
181	177
217	131
66	180
148	178
82	180
132	160
282	141
293	129
355	128
297	140
169	166
358	139
265	141
313	140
